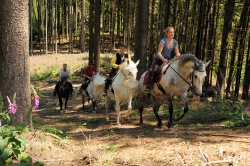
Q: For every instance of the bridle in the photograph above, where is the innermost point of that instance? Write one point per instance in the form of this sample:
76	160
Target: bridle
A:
191	84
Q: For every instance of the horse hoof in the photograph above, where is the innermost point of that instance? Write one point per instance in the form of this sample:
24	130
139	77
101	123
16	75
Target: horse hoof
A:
61	111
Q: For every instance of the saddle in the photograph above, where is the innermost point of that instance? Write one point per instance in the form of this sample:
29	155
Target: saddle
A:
157	75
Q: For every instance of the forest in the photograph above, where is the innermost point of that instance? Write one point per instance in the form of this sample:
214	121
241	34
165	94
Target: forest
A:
38	36
215	30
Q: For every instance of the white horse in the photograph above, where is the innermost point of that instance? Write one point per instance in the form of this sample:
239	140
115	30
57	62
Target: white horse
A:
184	71
123	88
93	91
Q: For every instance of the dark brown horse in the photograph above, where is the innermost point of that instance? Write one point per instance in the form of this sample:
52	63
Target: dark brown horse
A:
64	91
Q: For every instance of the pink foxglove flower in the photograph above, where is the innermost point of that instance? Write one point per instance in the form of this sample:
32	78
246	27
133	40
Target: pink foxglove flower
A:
36	101
12	106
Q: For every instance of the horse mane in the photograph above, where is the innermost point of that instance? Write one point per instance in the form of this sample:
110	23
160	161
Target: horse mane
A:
184	58
98	80
127	63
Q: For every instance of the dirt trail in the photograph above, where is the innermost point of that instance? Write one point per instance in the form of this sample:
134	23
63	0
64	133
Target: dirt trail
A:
94	141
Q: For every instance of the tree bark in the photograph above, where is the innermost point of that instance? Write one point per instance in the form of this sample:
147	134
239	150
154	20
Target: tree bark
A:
243	28
14	55
141	34
228	18
246	83
97	34
91	30
82	27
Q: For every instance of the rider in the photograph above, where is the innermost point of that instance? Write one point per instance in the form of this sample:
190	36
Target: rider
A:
165	47
63	73
116	60
88	72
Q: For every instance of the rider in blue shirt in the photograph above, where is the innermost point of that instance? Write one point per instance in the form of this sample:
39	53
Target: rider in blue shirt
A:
165	47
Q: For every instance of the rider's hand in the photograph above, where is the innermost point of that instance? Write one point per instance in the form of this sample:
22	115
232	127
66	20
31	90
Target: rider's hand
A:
165	61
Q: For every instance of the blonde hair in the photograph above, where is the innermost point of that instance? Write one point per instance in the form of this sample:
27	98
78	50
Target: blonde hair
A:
167	29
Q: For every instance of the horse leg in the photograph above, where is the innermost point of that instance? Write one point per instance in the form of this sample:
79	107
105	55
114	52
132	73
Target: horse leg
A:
184	112
156	108
94	104
117	108
61	103
66	102
83	99
171	110
129	107
107	99
140	111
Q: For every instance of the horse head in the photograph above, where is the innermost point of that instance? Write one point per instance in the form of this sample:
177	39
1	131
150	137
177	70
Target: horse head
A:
198	76
63	82
129	68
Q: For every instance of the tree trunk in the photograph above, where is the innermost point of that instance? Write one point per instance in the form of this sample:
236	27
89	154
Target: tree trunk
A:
167	14
46	27
39	27
91	30
97	34
70	26
14	56
152	39
82	27
31	26
246	83
112	29
228	18
243	28
141	34
56	26
199	31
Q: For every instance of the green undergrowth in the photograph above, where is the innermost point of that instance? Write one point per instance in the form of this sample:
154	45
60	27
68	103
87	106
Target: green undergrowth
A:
227	113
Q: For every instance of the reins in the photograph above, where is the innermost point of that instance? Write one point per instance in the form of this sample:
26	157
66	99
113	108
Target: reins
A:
190	84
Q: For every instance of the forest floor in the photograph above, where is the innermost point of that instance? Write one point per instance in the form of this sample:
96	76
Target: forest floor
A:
84	137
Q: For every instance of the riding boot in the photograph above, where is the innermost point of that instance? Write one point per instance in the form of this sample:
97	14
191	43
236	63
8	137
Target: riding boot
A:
107	83
81	88
150	81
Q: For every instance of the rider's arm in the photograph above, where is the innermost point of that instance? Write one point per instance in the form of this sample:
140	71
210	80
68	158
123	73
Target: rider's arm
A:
86	73
112	63
176	49
160	48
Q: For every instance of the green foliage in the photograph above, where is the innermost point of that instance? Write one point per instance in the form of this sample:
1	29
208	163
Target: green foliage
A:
93	120
53	130
64	118
13	146
44	75
111	148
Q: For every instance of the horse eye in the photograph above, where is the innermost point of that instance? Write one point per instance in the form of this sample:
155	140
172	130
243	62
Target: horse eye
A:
195	76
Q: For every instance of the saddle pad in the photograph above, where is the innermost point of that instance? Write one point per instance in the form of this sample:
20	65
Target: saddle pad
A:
157	76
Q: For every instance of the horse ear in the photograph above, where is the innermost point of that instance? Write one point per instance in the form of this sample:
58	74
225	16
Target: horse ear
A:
206	64
196	63
137	63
